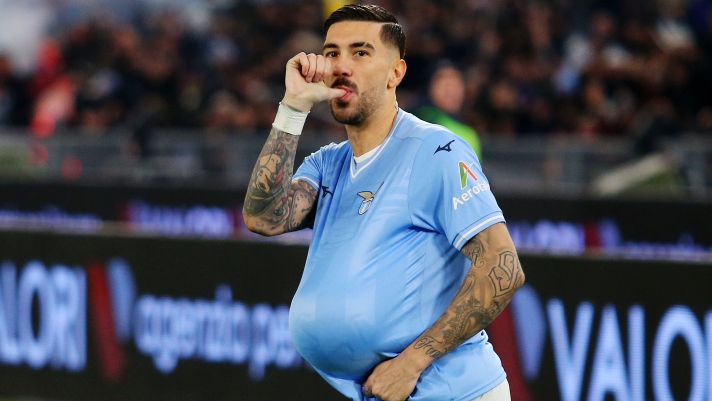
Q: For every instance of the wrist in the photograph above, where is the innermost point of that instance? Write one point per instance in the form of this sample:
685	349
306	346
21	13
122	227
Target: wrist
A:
290	120
416	359
297	104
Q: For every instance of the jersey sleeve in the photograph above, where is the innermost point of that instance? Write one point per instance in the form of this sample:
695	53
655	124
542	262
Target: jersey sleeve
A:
448	192
312	168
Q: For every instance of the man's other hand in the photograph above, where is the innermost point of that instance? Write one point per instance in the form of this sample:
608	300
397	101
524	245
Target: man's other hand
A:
392	380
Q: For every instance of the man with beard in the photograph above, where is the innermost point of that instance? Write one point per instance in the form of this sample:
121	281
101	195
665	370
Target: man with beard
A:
410	258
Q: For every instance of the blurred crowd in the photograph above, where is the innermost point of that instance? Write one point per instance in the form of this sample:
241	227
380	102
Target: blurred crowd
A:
567	67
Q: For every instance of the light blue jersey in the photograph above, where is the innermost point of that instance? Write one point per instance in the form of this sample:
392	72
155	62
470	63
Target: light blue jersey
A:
385	261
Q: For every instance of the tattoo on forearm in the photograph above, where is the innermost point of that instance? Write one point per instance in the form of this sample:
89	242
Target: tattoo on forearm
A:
272	173
271	196
494	275
428	344
470	314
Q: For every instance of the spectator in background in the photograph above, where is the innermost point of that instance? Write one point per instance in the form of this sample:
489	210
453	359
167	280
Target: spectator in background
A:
576	69
446	95
14	103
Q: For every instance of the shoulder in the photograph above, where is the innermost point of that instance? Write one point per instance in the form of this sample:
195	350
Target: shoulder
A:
331	150
429	137
334	147
412	127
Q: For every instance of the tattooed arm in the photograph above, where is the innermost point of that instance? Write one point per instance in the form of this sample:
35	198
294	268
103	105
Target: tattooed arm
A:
494	276
274	204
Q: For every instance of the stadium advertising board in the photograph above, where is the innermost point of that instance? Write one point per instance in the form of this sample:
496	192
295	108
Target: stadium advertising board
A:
625	228
597	329
118	318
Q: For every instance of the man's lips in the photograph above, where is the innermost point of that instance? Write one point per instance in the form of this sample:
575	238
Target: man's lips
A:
346	95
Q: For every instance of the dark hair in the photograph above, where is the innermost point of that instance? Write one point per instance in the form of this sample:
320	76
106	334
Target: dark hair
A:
391	31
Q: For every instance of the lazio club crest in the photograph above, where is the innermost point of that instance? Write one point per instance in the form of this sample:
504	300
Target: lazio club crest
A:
367	199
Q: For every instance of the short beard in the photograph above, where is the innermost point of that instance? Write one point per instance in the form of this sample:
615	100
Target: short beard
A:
364	109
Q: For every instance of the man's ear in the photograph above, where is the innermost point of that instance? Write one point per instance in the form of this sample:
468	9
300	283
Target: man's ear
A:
397	73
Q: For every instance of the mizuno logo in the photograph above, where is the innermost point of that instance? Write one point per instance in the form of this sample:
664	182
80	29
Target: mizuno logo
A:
444	147
325	191
367	199
464	172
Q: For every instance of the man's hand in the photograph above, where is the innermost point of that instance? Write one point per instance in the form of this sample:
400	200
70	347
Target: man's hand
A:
392	380
305	81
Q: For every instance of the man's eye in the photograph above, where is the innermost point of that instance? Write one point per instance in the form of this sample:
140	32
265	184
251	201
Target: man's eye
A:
330	54
361	53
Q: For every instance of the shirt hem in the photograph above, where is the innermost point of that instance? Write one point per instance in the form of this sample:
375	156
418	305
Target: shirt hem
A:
494	383
308	180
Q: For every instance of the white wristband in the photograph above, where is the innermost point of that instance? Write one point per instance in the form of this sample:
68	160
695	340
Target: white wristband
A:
289	120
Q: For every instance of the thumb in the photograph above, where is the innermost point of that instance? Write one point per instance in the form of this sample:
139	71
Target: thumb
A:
334	93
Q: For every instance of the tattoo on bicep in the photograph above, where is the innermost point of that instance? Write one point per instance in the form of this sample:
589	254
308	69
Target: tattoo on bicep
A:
298	204
483	294
475	251
272	174
507	275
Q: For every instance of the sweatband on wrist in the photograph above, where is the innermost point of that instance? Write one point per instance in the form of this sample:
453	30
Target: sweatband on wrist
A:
290	120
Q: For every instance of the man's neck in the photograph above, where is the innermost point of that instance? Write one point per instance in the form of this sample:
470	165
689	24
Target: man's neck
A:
373	131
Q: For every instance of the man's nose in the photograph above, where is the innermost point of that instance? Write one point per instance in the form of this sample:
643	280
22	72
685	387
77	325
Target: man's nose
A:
341	67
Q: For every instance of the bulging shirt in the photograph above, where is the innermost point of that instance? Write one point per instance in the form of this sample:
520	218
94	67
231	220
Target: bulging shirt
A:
384	260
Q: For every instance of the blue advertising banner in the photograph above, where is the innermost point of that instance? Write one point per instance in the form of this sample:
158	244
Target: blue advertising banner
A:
602	329
126	318
106	317
623	228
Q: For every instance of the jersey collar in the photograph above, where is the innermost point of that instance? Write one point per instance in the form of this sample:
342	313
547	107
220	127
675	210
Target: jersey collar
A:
356	170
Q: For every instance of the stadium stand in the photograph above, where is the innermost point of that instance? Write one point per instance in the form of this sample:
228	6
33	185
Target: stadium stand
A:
589	68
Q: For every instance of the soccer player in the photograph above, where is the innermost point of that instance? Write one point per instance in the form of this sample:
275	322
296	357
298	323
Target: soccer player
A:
410	258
